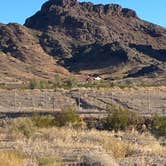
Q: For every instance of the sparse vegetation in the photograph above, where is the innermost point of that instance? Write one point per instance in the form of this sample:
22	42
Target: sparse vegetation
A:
159	126
39	84
27	126
11	158
43	121
120	119
50	161
42	148
68	116
3	86
23	126
117	147
71	83
57	82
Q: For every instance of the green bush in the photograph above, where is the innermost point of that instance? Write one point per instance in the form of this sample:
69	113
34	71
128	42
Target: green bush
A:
67	116
159	126
50	161
120	119
3	86
43	121
39	84
27	126
57	82
71	83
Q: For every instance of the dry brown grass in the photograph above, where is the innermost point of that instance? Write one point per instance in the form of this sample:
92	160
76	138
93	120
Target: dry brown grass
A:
146	143
66	141
11	158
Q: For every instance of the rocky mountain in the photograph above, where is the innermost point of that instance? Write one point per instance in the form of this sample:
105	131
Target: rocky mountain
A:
71	37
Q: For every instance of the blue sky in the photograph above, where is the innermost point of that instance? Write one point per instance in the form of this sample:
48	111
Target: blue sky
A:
18	10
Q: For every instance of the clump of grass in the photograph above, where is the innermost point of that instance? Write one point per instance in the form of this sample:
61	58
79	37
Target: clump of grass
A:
11	158
50	161
118	148
24	126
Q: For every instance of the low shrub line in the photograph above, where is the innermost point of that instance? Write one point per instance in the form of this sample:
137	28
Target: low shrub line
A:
118	119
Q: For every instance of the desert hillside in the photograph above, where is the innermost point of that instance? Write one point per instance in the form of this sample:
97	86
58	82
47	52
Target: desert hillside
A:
70	37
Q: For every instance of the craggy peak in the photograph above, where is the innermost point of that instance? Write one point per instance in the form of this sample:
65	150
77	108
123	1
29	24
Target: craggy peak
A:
63	3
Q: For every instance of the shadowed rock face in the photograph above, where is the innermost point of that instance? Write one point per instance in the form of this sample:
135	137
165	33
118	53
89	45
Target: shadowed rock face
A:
146	71
83	36
159	54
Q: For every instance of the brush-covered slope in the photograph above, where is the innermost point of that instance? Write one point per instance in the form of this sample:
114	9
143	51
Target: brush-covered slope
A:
22	57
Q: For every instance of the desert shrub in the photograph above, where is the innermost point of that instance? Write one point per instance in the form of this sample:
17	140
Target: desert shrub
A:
96	84
43	121
120	119
33	84
57	82
11	158
71	83
3	86
50	161
24	126
116	120
159	126
67	116
39	84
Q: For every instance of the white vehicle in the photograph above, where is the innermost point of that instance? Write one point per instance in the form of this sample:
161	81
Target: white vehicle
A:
98	78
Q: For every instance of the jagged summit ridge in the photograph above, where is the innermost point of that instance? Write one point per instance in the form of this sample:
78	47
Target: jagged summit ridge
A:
61	3
112	9
100	8
55	12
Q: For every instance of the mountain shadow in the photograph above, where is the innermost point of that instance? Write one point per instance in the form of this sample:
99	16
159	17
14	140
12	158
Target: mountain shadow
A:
96	56
159	54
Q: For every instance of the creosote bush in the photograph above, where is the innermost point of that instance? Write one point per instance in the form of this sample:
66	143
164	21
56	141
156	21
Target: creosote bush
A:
27	126
50	161
39	84
57	82
68	116
71	83
159	126
120	119
43	121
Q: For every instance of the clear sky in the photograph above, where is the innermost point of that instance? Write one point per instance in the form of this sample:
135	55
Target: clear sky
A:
18	10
